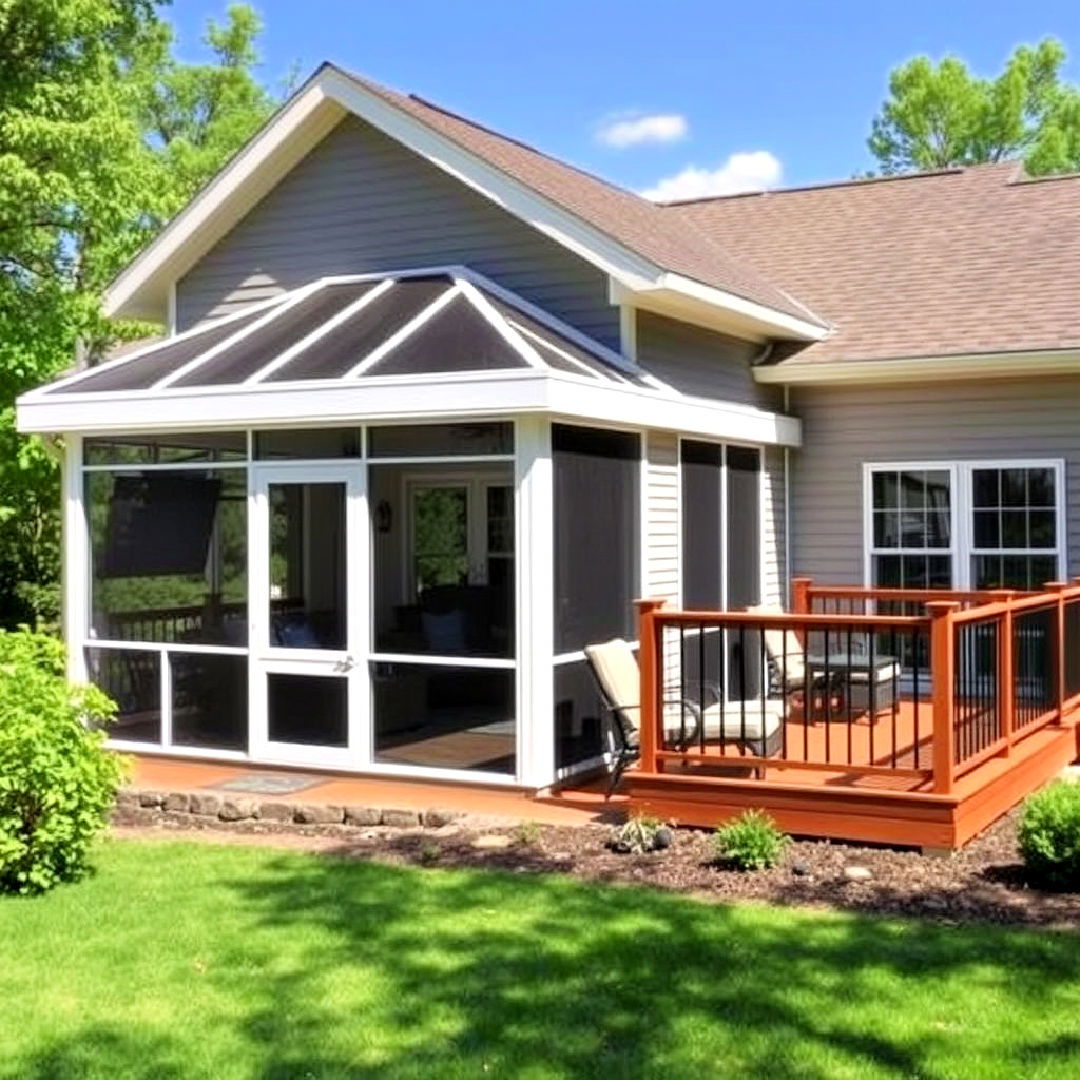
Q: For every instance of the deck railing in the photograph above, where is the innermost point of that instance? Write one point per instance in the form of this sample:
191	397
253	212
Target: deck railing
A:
871	691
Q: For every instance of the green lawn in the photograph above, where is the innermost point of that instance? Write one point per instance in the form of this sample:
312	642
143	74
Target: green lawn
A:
197	960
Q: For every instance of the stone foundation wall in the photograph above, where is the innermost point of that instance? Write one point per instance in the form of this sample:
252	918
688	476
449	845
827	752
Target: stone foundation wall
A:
197	809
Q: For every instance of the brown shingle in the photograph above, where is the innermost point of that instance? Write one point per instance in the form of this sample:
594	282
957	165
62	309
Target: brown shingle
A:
638	224
965	261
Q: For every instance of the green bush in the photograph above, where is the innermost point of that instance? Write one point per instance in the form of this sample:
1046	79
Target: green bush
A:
57	782
751	841
1050	835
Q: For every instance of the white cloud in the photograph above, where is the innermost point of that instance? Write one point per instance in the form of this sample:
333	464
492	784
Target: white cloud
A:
752	170
620	132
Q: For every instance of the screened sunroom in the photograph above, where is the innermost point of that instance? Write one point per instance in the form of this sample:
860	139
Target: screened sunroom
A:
369	524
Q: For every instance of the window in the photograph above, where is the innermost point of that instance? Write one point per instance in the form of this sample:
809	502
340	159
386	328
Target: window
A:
966	525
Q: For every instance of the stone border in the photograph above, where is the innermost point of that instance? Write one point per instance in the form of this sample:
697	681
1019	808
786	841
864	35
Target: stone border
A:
203	809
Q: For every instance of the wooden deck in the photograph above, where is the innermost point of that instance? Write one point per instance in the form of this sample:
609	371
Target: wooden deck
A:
991	714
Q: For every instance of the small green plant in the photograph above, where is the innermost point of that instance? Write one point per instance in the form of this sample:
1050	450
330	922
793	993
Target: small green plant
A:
430	854
1050	835
527	833
751	841
57	781
641	834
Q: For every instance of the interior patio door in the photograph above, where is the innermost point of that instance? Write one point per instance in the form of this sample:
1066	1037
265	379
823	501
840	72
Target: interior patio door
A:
308	564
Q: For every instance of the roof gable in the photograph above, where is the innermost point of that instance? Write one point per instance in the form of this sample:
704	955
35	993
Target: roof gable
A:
646	253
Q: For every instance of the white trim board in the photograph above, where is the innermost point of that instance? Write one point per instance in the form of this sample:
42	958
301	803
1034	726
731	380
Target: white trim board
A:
141	290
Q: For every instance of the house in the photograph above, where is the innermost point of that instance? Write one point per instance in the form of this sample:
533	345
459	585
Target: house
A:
435	408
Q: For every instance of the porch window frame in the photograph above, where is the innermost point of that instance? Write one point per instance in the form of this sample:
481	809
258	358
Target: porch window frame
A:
962	547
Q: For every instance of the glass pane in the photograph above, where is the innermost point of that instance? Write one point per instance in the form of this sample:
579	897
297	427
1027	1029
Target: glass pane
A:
938	528
914	570
596	512
987	528
307	566
169	555
133	680
1042	568
939	572
886	529
886	491
986	572
1042	529
937	489
913	490
438	585
444	717
1013	487
166	449
986	488
913	526
887	572
441	440
209	700
1016	572
440	537
311	710
309	443
1040	491
1013	529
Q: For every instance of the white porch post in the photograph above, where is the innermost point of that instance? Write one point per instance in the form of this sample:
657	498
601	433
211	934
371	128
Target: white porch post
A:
533	481
75	577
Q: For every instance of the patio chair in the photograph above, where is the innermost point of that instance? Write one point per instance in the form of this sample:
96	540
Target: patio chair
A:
754	725
787	661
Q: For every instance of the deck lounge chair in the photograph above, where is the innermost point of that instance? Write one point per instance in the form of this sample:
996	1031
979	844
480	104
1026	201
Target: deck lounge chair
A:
754	725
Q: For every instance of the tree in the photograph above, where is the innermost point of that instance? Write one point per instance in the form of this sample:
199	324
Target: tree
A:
941	115
104	135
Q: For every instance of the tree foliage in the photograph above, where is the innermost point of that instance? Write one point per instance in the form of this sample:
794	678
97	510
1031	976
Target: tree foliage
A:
941	115
104	134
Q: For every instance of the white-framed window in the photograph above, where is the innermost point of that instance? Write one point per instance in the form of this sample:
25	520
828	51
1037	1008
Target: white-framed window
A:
964	525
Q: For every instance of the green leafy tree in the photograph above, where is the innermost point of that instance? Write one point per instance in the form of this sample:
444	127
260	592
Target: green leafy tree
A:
941	115
104	134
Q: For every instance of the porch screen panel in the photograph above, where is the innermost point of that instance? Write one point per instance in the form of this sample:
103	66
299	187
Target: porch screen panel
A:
744	527
596	480
702	525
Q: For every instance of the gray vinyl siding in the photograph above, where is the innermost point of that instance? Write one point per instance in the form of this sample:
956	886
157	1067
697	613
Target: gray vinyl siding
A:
845	427
662	510
701	362
360	202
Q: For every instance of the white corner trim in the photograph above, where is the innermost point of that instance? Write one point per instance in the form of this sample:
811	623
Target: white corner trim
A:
924	369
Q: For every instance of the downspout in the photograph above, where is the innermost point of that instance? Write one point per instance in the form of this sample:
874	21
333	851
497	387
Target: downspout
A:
787	505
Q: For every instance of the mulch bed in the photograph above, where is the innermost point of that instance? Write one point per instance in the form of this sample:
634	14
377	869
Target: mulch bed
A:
985	882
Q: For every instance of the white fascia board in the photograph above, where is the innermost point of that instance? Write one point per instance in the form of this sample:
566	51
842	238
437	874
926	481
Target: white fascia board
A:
923	369
682	298
400	397
272	153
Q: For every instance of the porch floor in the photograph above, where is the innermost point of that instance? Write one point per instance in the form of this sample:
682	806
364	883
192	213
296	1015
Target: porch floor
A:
184	774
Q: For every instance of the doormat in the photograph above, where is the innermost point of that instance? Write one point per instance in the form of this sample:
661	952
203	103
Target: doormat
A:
269	783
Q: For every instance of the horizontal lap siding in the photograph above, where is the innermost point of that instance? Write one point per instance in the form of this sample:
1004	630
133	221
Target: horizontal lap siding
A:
662	508
701	362
844	427
359	203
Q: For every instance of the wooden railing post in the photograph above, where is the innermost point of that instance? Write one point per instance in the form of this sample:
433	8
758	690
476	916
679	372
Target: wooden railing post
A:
650	665
800	595
1059	588
942	675
1006	674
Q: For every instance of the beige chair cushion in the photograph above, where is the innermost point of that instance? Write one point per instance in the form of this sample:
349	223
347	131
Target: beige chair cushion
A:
730	723
617	669
784	648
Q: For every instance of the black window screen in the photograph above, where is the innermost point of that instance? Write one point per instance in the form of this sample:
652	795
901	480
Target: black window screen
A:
744	527
596	534
702	525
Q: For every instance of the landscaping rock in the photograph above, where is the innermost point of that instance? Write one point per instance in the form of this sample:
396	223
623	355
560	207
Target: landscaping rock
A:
401	819
435	819
238	810
800	868
857	873
178	801
362	815
275	811
207	805
318	815
492	841
151	798
663	839
127	797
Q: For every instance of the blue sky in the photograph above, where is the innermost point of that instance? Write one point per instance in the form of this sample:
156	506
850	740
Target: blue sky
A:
794	83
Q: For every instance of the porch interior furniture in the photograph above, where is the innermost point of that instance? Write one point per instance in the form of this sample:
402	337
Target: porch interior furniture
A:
753	725
788	673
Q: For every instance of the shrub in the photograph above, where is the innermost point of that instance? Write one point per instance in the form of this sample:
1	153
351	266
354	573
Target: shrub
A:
751	841
57	782
1050	835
